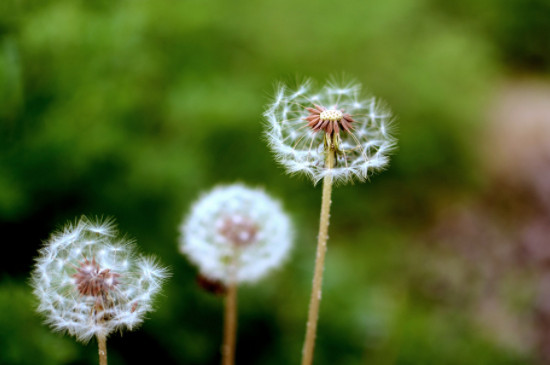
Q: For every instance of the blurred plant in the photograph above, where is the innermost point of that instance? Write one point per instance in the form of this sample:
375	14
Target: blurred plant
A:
90	283
501	233
354	142
235	234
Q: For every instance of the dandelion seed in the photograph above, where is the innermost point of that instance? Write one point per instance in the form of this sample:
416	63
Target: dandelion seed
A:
330	134
359	131
90	283
234	234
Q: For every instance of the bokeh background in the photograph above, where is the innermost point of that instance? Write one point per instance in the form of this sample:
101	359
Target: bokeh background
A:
131	109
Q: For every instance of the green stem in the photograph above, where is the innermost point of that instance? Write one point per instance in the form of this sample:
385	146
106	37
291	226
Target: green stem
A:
102	349
230	325
313	315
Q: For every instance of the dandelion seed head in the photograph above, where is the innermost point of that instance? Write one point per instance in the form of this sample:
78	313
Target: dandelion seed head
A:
300	121
235	234
89	282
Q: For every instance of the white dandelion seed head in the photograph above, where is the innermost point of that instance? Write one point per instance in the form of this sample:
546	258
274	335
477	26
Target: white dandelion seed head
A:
236	234
298	121
90	282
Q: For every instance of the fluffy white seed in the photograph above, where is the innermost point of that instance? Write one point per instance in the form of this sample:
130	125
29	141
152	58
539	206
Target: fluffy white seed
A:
235	234
363	150
121	284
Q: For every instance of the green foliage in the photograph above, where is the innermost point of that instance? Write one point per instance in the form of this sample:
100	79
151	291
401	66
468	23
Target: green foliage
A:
132	108
25	340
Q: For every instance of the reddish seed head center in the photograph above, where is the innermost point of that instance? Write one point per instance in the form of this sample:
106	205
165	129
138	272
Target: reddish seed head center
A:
91	280
330	120
238	230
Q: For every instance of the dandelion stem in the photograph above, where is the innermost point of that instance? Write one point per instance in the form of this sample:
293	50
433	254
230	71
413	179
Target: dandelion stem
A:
313	315
230	325
102	349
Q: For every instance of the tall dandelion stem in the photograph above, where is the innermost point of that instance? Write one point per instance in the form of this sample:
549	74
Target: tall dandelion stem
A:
311	329
102	349
230	325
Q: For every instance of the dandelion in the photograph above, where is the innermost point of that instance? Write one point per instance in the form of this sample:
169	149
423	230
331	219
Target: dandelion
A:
330	134
90	282
306	123
235	234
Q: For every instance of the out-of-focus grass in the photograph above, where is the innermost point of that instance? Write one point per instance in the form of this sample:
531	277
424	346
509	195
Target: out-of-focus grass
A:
25	340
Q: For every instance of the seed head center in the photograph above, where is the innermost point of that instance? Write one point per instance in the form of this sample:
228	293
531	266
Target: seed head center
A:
332	115
329	120
238	230
91	280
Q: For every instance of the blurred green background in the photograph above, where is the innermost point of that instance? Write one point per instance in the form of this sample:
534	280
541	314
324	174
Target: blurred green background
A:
131	109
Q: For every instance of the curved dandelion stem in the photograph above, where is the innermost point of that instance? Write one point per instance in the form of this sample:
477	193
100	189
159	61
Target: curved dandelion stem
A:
102	349
299	140
230	325
299	104
313	315
293	119
363	153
